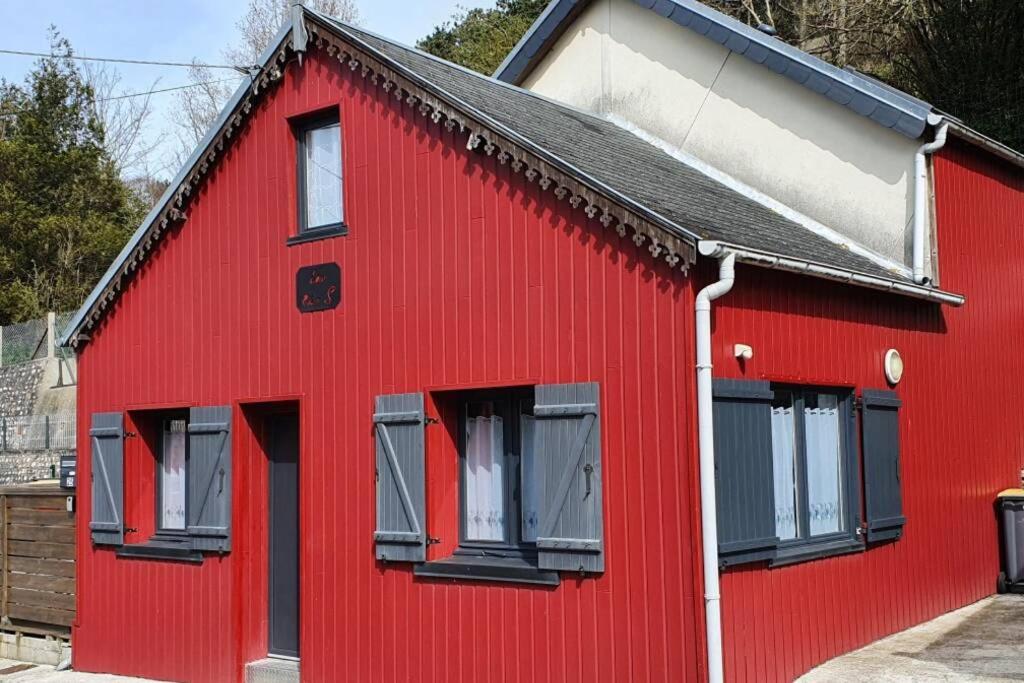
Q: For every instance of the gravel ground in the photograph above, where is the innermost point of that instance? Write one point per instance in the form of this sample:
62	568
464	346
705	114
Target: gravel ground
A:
981	642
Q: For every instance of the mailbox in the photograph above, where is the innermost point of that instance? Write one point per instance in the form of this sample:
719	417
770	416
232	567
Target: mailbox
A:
67	471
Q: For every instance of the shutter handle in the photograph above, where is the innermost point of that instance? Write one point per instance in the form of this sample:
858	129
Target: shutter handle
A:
221	489
588	470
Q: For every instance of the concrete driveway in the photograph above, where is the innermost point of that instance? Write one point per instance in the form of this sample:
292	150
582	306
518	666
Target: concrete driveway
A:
981	642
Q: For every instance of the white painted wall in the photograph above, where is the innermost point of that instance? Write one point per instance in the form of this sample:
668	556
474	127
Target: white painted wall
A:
800	148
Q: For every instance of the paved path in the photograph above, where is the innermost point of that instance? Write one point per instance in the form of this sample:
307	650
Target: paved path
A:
16	672
981	642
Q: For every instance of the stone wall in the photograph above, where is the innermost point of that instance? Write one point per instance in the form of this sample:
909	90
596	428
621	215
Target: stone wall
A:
28	389
20	386
19	467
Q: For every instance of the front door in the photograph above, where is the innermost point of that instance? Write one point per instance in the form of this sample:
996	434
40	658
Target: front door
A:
284	535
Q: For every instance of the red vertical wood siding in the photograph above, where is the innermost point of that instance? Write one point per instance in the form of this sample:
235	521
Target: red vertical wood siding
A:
455	274
960	426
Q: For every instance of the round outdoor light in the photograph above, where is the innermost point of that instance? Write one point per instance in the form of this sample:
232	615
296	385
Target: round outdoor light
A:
893	366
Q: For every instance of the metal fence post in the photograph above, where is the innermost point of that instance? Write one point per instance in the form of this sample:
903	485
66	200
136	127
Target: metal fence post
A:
1	346
46	439
3	433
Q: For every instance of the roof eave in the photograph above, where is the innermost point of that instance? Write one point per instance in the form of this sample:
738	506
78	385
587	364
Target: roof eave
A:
965	132
764	259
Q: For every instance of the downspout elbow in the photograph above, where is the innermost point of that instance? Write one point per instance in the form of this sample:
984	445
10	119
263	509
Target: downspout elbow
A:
726	278
921	199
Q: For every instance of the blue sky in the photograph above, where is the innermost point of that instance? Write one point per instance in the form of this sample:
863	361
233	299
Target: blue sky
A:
174	30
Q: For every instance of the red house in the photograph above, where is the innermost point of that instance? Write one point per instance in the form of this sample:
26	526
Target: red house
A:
397	383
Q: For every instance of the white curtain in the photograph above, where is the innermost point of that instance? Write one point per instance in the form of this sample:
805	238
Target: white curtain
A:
323	176
784	471
172	477
824	466
531	481
485	502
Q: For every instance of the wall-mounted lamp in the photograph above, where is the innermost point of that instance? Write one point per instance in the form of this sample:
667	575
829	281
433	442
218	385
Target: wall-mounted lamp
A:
893	366
743	352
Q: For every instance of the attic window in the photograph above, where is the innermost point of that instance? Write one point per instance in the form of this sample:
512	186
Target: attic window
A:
319	171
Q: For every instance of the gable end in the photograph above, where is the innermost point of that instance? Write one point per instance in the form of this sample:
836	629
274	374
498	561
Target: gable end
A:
663	239
883	105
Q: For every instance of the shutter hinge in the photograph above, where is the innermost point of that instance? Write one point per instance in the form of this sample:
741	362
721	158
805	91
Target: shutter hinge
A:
428	420
129	435
433	541
131	530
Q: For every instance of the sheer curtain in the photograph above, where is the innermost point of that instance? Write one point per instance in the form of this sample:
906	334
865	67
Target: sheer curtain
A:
323	176
531	480
784	471
824	468
485	502
172	476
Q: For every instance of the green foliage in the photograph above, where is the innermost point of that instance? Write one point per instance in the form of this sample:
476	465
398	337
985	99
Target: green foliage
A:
479	39
64	212
966	57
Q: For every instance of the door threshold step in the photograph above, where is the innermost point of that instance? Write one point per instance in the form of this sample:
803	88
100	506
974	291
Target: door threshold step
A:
272	670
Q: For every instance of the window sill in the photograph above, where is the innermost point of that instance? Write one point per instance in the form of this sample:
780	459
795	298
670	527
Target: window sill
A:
806	552
162	549
322	233
501	569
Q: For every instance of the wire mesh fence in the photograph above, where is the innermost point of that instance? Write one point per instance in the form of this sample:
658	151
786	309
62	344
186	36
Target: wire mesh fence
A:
23	342
27	341
38	432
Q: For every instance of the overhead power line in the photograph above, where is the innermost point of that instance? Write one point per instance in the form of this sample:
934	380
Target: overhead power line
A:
242	69
154	92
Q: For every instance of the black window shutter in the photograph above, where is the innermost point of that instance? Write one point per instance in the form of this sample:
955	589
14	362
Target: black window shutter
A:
567	445
401	479
107	438
880	443
209	478
745	490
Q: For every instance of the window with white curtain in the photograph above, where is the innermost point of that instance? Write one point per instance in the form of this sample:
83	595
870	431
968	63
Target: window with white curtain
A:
321	204
824	464
811	464
172	473
485	478
784	466
499	478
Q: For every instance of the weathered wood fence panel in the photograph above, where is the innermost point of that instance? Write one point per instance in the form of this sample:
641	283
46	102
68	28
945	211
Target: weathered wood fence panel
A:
37	560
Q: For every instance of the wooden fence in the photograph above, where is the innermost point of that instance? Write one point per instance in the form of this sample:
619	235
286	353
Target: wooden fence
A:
37	556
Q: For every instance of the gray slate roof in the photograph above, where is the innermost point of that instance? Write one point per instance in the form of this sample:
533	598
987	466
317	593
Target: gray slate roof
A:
882	104
689	199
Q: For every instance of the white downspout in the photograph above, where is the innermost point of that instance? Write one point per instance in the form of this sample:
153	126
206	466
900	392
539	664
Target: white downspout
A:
921	199
706	441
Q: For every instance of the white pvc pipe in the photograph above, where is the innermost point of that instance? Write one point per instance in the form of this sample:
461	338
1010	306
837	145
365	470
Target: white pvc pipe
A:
921	199
706	441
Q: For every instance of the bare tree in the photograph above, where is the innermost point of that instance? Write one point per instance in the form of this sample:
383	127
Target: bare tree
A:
264	17
124	116
865	34
197	109
199	106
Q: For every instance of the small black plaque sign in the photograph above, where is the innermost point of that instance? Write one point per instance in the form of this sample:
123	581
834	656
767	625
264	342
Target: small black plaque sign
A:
318	288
